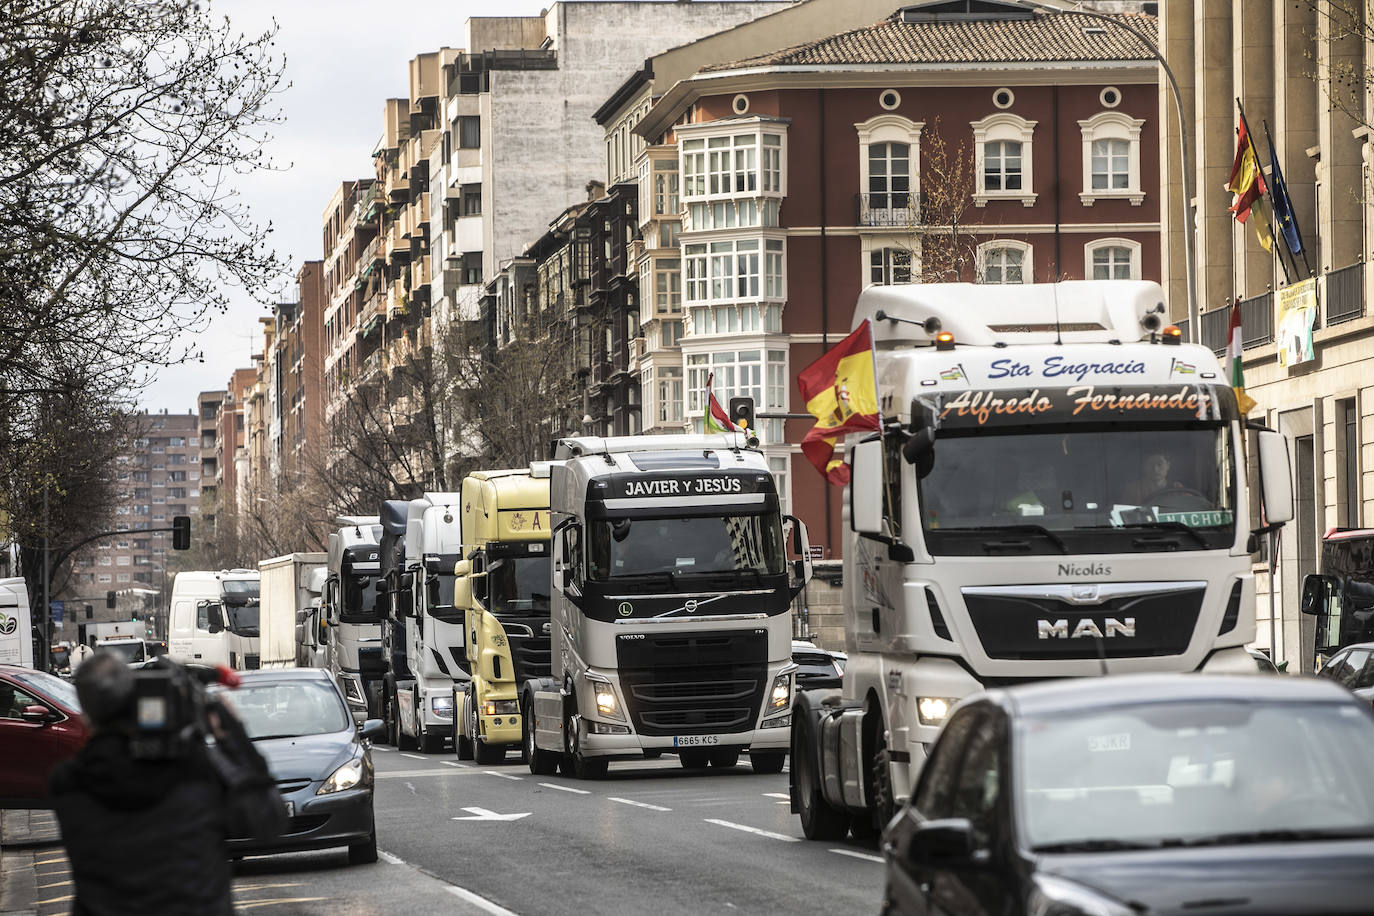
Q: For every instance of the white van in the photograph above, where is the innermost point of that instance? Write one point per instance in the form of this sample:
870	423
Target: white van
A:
16	630
214	618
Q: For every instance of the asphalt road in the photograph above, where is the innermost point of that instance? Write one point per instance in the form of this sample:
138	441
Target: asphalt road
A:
650	837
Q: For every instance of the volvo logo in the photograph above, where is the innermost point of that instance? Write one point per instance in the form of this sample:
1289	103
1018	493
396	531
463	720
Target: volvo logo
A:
690	606
547	628
1086	626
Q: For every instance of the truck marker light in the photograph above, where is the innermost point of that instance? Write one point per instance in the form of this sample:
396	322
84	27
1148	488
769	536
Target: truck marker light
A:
1172	335
944	341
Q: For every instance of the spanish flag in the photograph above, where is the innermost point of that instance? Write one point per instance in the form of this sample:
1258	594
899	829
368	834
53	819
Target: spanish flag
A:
841	392
1246	181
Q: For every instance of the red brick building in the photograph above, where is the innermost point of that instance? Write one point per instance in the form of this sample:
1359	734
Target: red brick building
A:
801	179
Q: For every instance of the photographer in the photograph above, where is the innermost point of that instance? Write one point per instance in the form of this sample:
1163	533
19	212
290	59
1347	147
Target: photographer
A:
145	814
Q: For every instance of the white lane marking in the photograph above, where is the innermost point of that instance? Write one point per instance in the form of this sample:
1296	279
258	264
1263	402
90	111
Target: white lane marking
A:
486	814
502	775
777	795
454	763
755	830
384	750
858	855
406	774
415	756
554	785
637	804
389	859
477	900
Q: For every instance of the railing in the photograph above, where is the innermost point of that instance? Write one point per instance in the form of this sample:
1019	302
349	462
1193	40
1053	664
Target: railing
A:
1345	294
1214	324
1256	321
894	210
370	253
364	210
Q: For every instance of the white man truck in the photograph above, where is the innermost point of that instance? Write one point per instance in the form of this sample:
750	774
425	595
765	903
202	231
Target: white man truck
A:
214	618
350	618
671	607
420	704
290	587
1010	522
503	588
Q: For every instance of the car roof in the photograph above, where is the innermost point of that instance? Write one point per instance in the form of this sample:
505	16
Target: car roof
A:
285	674
1358	645
1089	693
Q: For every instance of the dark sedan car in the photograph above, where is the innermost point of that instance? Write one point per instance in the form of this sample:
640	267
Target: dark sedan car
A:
319	757
1142	794
40	726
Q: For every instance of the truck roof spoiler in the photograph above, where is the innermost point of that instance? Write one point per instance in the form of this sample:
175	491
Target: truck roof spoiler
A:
355	521
577	446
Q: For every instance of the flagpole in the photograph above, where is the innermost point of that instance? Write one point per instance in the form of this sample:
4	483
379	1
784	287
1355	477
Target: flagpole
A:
1288	206
1268	192
882	433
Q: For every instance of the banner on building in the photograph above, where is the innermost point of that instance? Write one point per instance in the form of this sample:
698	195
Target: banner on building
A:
1297	316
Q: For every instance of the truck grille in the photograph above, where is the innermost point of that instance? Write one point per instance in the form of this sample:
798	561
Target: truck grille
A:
689	683
1009	626
250	662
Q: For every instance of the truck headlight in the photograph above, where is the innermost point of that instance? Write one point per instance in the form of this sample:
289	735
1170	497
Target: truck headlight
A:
354	772
934	710
442	706
781	694
501	708
605	701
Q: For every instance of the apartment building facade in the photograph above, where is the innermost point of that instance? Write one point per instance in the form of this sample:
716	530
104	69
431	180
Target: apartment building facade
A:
1308	332
798	183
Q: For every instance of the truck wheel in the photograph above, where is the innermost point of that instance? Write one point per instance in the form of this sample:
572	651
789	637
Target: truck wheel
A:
694	759
461	745
487	754
540	761
819	820
767	762
884	806
725	758
404	742
582	767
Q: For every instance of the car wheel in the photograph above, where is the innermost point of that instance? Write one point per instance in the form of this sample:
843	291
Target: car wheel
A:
724	758
364	853
540	761
819	820
767	762
694	759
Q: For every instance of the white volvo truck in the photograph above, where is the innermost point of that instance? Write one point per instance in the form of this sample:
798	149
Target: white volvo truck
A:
1059	490
350	615
670	607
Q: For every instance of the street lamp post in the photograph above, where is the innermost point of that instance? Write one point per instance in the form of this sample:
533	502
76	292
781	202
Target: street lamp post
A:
1189	226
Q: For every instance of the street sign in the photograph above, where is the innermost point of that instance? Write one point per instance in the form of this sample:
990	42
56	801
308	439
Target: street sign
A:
58	607
817	551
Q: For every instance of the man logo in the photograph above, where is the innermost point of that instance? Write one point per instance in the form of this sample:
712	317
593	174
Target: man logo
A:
8	624
1059	629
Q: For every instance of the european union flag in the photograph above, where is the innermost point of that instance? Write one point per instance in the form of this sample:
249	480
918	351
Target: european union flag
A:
1283	204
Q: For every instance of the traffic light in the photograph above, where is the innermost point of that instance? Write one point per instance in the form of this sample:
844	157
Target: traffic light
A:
742	412
181	532
110	599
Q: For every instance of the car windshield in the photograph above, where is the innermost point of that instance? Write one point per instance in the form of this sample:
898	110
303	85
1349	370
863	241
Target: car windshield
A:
133	650
624	548
288	709
60	690
1195	773
1080	490
519	586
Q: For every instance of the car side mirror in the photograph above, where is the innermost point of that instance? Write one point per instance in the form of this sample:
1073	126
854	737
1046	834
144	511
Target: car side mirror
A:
37	714
371	728
1314	591
945	841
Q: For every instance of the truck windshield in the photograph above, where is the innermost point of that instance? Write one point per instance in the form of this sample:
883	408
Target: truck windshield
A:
519	586
746	546
239	588
1080	490
440	603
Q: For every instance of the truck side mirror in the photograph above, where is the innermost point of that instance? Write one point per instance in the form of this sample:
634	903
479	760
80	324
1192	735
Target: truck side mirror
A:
462	568
214	617
1314	591
462	593
801	546
866	488
1276	482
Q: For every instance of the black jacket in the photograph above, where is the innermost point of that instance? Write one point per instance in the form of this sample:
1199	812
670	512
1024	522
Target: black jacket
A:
143	836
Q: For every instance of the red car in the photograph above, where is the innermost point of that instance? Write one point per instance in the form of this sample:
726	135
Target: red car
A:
40	726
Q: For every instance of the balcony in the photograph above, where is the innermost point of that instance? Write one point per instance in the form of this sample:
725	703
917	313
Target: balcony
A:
888	211
400	350
396	300
637	350
1256	321
370	204
1345	294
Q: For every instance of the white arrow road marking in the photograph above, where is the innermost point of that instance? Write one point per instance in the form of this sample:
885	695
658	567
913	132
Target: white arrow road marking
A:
554	785
482	814
858	855
638	804
755	830
502	775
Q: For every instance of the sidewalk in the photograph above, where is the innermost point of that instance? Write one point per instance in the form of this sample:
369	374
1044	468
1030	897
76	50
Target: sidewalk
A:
30	843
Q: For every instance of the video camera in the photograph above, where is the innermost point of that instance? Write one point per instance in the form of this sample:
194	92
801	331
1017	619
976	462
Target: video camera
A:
169	709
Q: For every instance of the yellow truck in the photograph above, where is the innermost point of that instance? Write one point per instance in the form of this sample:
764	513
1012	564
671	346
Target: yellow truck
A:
502	585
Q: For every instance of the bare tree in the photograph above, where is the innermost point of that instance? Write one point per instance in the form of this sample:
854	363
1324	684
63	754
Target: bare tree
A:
947	249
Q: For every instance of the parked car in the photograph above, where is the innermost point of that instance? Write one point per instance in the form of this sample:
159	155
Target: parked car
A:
1134	794
320	758
817	667
40	726
1353	668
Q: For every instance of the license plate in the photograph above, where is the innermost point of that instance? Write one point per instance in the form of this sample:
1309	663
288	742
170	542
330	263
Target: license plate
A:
696	740
290	809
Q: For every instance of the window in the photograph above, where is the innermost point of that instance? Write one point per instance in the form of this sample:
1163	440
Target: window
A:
666	183
743	373
772	164
1111	158
778	465
123	577
887	266
939	781
469	132
104	578
732	214
889	170
471	200
1004	262
123	561
670	394
889	175
1112	259
976	794
668	233
106	561
472	267
730	270
1004	153
724	166
1348	433
670	333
